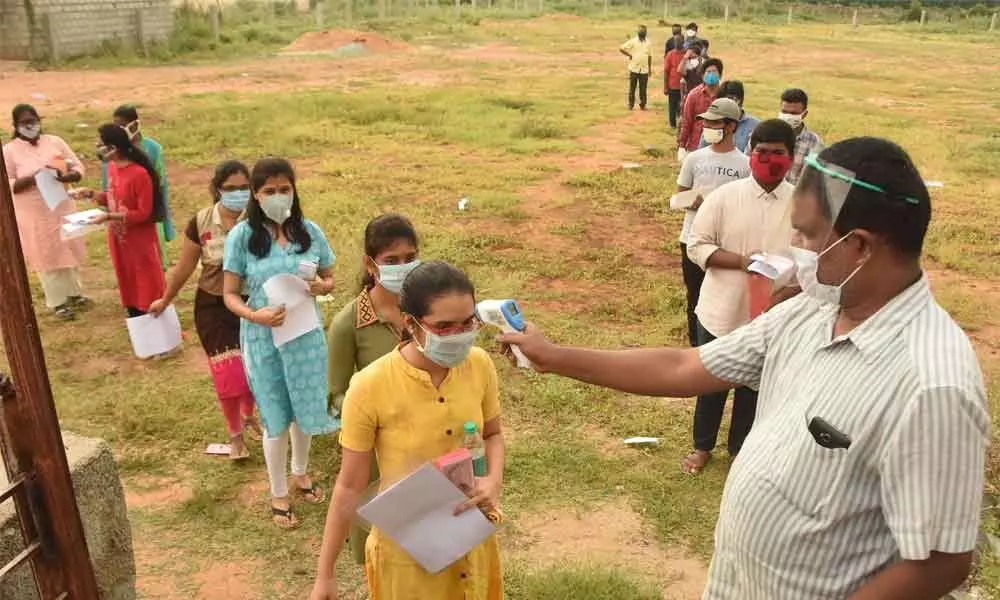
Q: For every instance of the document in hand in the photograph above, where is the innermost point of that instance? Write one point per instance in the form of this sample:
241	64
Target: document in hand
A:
52	190
80	224
301	315
154	335
418	513
775	267
685	200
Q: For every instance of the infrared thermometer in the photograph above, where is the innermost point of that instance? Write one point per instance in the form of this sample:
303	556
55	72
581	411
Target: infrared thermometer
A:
506	316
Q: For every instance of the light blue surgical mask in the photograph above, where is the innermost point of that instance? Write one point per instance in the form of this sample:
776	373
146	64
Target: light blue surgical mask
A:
277	207
391	277
711	78
447	351
235	200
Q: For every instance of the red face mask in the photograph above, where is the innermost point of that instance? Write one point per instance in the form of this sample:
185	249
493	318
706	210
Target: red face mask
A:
769	168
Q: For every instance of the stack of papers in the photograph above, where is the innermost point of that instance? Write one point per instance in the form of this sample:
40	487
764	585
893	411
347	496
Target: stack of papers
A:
80	224
418	513
775	267
301	314
685	200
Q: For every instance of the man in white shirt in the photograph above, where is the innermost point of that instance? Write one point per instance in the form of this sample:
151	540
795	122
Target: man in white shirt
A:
640	65
704	170
736	221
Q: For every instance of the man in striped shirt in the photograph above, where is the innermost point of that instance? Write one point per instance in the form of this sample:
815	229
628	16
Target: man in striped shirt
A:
862	476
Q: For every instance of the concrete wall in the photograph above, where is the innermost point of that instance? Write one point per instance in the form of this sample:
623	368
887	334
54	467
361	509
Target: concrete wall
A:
35	29
101	499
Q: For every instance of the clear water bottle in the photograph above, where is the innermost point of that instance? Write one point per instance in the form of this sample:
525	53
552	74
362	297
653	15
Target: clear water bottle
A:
473	442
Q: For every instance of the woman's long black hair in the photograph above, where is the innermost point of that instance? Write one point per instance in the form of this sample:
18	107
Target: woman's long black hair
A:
294	227
19	110
115	137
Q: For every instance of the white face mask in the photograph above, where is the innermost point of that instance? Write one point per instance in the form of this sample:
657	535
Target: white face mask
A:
806	267
132	129
713	136
391	277
447	351
693	63
690	33
277	207
793	120
30	132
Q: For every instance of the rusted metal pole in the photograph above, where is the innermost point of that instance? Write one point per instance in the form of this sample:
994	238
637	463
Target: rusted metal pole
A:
64	563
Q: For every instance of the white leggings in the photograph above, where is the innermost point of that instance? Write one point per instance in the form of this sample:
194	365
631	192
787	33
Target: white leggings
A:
276	458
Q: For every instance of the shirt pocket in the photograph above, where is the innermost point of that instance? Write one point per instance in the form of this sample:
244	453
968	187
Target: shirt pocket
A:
807	474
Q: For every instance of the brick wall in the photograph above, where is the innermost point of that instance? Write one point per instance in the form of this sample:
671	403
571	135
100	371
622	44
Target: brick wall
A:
75	27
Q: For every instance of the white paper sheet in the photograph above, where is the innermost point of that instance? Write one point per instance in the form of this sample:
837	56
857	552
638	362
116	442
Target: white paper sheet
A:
775	267
154	335
80	224
52	190
301	315
418	514
684	200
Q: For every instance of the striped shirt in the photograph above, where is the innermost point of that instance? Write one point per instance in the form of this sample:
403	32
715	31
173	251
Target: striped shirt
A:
806	143
802	521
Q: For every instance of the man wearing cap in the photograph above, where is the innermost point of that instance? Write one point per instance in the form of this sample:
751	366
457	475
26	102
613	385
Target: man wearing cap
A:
862	478
737	221
705	170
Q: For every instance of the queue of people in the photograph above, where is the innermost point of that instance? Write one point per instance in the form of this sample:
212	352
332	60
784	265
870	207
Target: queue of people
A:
859	424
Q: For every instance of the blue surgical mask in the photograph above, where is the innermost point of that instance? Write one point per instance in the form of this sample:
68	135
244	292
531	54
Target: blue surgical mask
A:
277	207
391	277
711	78
447	351
235	200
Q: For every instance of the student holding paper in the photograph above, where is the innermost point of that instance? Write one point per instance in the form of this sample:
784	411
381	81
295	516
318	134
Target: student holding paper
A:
406	409
56	261
134	206
289	382
371	325
218	328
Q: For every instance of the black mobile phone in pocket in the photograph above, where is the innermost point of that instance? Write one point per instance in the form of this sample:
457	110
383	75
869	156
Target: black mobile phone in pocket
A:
828	436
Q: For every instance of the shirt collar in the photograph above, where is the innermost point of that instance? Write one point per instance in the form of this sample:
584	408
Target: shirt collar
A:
873	335
365	314
783	190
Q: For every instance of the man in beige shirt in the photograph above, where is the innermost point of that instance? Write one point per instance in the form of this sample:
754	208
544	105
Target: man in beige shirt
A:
640	65
737	220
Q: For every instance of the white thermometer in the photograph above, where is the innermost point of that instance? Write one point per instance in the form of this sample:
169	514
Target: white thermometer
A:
506	316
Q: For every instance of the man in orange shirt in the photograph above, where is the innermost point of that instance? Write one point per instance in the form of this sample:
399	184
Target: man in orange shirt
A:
672	79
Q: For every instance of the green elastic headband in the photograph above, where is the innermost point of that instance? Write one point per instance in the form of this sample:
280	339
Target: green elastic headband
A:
813	161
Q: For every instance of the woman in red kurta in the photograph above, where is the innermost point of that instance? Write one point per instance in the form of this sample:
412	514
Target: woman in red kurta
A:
134	206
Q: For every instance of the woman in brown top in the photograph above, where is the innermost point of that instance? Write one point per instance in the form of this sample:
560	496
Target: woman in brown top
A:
219	329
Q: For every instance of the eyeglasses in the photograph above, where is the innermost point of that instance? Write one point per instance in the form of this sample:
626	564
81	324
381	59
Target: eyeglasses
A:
471	324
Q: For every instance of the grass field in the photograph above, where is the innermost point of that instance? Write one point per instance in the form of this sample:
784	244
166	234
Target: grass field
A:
525	118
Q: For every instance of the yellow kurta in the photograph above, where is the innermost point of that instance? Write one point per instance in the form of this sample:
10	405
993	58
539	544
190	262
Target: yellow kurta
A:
392	408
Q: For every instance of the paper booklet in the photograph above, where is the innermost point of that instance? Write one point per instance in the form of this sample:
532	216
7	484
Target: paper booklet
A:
775	267
80	224
418	513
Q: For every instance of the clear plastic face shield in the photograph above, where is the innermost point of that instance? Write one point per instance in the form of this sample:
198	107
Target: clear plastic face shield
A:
818	199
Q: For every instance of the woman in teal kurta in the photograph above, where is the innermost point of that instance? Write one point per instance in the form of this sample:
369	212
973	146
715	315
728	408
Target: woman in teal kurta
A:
289	383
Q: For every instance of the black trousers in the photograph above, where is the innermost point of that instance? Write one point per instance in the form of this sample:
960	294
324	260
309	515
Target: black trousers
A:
134	312
693	277
708	413
642	79
673	106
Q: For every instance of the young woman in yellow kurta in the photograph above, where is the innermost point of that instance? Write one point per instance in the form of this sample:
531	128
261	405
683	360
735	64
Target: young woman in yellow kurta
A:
409	408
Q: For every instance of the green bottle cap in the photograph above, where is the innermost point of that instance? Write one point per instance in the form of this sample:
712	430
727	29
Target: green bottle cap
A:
470	427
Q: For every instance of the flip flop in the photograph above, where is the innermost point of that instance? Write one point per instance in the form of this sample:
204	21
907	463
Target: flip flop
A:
693	463
284	513
312	494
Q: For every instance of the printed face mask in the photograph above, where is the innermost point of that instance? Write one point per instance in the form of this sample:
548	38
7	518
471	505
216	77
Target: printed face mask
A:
30	132
447	351
806	267
277	207
793	120
769	168
714	136
235	200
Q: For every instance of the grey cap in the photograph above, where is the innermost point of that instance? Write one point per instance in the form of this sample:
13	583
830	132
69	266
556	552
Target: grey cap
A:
722	108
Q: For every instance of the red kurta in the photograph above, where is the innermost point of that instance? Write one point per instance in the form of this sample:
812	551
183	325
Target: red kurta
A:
134	245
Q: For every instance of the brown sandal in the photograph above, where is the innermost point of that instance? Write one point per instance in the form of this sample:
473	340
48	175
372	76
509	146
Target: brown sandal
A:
277	514
694	462
312	494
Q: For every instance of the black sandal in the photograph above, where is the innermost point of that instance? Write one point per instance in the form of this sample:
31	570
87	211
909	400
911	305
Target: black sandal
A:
65	313
311	494
284	513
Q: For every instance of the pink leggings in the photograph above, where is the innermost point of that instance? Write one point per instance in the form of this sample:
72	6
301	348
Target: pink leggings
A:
235	397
